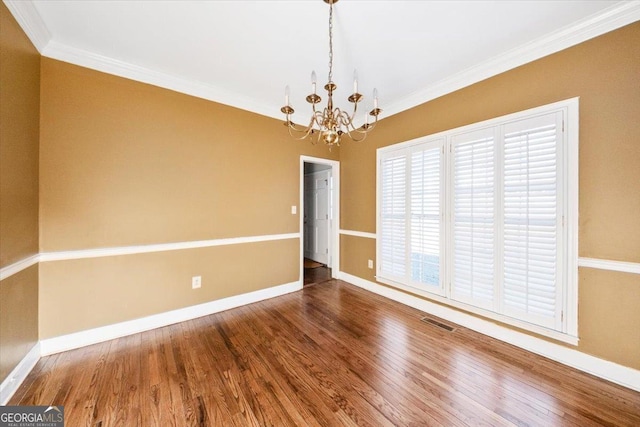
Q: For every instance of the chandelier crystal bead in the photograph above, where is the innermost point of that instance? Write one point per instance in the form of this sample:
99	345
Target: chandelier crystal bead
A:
331	123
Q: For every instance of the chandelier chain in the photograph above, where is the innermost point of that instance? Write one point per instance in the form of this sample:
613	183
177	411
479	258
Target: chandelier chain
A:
331	41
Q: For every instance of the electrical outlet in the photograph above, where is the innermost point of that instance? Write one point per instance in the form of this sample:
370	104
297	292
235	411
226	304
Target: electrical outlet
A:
294	210
370	263
196	282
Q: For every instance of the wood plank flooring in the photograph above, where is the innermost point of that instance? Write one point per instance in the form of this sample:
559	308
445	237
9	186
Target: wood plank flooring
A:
329	355
316	275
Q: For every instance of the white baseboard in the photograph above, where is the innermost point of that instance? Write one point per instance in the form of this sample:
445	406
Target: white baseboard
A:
625	376
117	330
10	384
93	336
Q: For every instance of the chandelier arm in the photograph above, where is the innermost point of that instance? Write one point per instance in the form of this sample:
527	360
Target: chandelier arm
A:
299	138
298	128
363	130
356	132
351	128
317	117
346	119
375	122
368	127
355	109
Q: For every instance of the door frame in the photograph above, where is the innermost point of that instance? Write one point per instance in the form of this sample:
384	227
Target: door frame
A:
320	232
334	227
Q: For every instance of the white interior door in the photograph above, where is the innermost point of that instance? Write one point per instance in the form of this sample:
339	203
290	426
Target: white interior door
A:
309	241
317	216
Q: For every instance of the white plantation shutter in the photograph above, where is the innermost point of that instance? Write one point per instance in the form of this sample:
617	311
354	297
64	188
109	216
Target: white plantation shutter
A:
531	206
411	209
484	218
393	217
425	216
473	219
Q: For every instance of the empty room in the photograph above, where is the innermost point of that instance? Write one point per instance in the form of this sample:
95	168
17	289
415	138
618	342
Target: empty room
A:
319	213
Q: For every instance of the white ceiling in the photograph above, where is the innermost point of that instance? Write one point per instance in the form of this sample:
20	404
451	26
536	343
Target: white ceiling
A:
243	53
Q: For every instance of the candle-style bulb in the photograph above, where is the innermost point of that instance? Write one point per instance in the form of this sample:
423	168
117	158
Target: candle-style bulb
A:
286	95
355	81
375	98
313	82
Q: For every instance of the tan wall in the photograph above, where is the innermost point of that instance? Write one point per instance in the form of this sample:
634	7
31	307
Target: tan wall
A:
355	253
19	114
88	293
19	128
18	318
605	73
608	313
125	163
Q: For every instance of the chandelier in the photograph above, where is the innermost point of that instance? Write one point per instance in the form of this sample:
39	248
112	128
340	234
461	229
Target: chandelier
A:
331	123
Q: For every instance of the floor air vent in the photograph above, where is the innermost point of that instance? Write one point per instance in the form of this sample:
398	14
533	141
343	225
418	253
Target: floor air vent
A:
438	324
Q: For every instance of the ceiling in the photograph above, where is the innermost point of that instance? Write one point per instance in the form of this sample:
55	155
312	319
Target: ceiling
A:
243	53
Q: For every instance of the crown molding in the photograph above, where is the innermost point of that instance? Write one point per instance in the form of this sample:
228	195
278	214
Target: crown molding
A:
29	19
617	16
610	19
105	64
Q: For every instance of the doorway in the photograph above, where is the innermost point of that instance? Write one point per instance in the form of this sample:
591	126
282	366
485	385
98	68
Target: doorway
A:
319	222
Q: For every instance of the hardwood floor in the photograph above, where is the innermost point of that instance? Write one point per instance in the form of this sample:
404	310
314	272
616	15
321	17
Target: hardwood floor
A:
316	275
329	355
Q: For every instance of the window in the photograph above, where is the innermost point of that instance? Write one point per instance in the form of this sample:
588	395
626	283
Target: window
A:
411	216
479	218
473	218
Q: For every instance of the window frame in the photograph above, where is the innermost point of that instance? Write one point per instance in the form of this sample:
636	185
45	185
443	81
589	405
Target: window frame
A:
568	189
